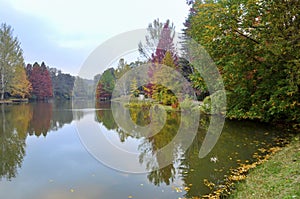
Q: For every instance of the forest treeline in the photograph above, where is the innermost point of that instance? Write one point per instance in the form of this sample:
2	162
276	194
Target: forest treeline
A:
34	81
255	46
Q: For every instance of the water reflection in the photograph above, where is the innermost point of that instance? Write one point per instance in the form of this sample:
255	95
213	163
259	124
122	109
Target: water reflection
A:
12	140
237	144
19	121
62	153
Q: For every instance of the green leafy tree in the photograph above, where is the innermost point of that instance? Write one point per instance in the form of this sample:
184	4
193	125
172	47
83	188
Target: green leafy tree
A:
11	56
106	85
256	47
63	84
122	68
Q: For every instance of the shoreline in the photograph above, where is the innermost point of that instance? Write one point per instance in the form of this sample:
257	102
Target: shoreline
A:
14	101
277	177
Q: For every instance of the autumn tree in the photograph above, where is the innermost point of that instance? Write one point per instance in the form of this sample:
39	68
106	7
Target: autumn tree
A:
154	31
165	43
106	85
134	91
11	57
40	123
41	82
21	86
164	55
164	91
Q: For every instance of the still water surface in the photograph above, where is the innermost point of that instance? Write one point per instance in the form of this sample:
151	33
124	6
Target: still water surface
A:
42	155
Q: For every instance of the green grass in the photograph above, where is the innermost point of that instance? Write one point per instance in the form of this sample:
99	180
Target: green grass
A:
279	177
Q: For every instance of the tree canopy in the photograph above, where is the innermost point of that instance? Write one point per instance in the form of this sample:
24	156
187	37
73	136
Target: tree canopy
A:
256	47
41	82
12	78
153	37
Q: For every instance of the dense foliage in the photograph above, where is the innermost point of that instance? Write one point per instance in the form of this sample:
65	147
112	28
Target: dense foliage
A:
164	55
106	85
41	82
62	84
13	79
256	47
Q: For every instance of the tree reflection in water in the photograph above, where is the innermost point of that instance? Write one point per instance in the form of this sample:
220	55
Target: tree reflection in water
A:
19	121
237	144
12	139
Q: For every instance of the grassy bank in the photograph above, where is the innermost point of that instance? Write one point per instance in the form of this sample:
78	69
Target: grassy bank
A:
279	177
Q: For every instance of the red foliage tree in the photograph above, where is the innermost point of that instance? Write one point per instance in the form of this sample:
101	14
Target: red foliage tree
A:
165	44
41	82
101	93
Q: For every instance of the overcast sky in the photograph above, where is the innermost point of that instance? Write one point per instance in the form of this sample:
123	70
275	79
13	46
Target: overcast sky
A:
64	32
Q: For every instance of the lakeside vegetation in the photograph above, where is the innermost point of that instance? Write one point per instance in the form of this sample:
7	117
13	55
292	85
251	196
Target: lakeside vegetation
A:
255	46
33	81
276	178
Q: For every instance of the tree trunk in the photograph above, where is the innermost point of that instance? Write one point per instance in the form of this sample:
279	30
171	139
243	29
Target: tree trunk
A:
2	86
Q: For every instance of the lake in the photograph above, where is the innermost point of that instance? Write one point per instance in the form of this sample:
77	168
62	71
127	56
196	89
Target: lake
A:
61	150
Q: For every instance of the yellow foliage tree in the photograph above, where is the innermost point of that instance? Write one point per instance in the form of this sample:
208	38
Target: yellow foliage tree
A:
161	92
134	91
20	87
